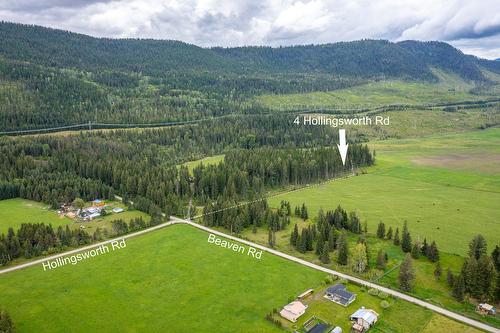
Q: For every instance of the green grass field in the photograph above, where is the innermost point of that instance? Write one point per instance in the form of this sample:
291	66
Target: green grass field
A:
14	212
447	202
211	160
449	89
174	280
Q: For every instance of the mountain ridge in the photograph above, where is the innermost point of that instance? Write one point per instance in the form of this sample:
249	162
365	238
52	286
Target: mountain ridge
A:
364	58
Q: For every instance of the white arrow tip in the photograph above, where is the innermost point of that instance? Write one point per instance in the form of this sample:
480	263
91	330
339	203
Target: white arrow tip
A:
343	152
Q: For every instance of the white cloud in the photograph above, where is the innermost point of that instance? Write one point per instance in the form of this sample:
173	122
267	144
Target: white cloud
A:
473	26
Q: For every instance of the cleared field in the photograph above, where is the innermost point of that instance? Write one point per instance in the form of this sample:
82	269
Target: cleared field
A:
377	94
211	160
447	205
14	212
173	278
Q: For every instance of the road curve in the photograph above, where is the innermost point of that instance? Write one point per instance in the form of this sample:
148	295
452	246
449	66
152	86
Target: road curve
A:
176	220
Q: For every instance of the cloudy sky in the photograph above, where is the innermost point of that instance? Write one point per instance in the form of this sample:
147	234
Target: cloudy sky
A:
471	25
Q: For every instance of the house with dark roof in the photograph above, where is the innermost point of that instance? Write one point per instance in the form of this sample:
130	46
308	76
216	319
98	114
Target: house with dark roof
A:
340	295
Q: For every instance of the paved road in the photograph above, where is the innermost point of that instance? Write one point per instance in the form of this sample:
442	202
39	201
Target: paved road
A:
175	220
394	293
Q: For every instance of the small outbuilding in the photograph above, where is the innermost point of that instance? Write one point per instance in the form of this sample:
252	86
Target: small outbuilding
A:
305	294
118	210
293	311
363	319
340	295
486	309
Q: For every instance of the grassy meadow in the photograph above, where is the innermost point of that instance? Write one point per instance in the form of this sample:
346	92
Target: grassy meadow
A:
173	276
14	212
211	160
446	186
450	89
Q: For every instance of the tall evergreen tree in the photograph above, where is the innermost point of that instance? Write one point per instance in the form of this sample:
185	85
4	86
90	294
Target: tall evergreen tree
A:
325	253
381	260
389	233
415	251
459	289
396	237
477	247
294	235
433	252
343	249
381	230
406	239
407	274
438	271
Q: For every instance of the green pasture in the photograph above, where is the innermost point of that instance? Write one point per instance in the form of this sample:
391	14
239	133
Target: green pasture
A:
211	160
173	278
376	94
448	203
14	212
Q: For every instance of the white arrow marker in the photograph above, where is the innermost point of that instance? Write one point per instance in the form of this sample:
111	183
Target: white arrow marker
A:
342	145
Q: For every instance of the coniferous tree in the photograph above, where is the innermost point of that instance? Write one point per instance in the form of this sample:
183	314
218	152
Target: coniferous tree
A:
319	245
396	237
450	278
294	236
325	253
407	276
487	277
389	233
343	249
381	230
381	260
406	239
459	288
495	256
425	247
477	247
332	239
415	251
438	271
433	252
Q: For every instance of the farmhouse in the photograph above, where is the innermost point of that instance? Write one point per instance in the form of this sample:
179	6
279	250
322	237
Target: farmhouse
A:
293	311
339	294
363	319
88	214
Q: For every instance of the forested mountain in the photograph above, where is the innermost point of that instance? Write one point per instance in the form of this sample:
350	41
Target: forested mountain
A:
51	77
366	58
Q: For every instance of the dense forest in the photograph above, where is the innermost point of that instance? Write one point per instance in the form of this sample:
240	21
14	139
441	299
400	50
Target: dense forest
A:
143	165
52	78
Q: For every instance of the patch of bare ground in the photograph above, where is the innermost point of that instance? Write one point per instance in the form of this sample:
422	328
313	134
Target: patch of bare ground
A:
477	162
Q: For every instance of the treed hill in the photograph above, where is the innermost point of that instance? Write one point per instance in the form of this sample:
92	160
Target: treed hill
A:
366	58
51	77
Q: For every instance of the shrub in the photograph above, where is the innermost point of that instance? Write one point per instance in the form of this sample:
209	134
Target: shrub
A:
383	295
384	304
373	292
